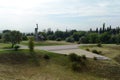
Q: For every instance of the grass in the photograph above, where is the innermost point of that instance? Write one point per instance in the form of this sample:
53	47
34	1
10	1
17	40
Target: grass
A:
47	43
58	67
5	45
109	50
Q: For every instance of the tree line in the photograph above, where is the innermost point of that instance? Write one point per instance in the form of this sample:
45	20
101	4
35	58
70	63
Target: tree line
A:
100	35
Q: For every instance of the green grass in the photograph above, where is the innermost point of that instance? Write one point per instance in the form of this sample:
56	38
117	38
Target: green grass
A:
57	68
109	50
5	45
47	43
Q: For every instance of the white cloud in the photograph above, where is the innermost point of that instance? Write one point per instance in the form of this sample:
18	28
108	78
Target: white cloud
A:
28	12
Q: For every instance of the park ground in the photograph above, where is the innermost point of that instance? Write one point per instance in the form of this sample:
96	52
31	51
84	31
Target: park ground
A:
18	65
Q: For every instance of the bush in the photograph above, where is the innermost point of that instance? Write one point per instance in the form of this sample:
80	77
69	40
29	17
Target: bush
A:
99	45
84	57
87	49
31	44
97	52
16	47
73	57
70	39
46	57
95	58
58	39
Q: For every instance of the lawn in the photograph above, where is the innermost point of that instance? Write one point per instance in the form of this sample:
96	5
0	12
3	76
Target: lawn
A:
47	43
18	65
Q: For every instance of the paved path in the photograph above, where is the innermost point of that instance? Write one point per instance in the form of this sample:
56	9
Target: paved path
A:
67	49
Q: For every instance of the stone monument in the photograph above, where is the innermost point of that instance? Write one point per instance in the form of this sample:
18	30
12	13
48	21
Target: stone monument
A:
36	33
38	37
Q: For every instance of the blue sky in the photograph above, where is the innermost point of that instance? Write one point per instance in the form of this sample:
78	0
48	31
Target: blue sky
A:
58	14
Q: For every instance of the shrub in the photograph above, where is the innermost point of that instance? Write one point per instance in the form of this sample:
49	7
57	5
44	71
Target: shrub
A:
95	58
70	39
16	47
87	49
73	57
99	45
97	52
31	44
46	57
58	39
84	57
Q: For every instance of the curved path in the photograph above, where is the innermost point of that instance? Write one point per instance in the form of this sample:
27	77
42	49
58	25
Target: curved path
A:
67	49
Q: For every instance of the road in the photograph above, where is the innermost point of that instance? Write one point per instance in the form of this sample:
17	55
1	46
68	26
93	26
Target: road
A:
67	49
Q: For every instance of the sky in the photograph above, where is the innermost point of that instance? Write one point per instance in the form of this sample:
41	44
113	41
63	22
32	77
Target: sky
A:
58	14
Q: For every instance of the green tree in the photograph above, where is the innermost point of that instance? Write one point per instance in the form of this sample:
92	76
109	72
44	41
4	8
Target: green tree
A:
105	37
93	38
76	36
31	44
118	38
13	37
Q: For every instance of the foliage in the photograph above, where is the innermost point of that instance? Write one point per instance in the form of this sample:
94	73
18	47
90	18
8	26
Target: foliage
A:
13	37
16	47
99	45
58	39
70	39
46	57
78	62
84	57
31	44
95	58
73	57
97	52
24	37
87	49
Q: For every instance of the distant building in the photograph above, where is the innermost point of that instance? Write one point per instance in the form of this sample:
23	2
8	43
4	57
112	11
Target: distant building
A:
38	37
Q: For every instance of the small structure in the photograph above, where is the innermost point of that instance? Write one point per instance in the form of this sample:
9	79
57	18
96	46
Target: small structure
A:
38	37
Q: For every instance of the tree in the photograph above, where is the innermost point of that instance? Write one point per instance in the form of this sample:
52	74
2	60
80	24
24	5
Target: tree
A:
76	36
31	44
96	30
13	37
118	38
70	39
103	27
83	39
6	37
93	38
105	37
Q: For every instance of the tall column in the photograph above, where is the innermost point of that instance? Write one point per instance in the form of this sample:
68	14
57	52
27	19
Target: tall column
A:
36	32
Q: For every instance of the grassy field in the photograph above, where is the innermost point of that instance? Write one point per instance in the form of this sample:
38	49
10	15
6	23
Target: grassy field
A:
47	43
5	45
109	50
18	65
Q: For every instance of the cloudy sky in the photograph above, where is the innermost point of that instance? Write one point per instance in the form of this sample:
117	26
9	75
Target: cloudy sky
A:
58	14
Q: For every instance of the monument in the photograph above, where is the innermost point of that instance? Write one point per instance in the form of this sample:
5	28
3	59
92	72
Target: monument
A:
36	33
38	37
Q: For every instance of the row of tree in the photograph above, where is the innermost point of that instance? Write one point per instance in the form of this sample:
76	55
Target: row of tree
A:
100	35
